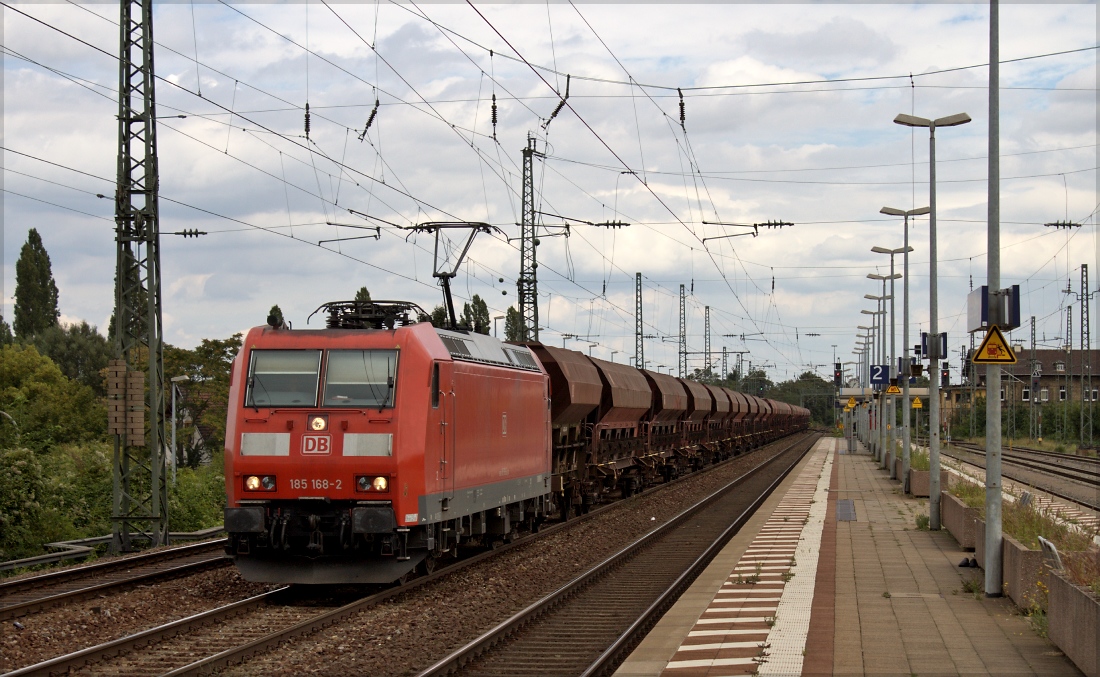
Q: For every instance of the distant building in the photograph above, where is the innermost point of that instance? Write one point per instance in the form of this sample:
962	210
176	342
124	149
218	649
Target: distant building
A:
1055	376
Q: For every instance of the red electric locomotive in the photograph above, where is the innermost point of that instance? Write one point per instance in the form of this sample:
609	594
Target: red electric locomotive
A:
356	452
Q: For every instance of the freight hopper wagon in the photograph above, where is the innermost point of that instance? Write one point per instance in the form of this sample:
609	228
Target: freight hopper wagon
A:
357	452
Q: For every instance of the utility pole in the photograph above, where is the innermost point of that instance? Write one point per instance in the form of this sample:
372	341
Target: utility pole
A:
683	334
706	341
725	367
527	283
1086	346
139	490
1069	368
1034	378
639	344
1085	299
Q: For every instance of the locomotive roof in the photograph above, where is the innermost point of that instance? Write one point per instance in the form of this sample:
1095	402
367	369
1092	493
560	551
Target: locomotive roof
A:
474	347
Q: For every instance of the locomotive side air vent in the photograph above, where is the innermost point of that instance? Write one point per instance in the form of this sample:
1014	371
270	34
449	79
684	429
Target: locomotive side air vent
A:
520	357
455	346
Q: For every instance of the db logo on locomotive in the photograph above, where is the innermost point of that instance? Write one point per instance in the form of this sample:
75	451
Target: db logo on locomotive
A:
317	444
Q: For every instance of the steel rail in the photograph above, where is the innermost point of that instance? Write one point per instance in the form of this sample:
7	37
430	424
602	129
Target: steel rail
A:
1053	492
1083	475
78	659
54	577
615	653
40	603
458	658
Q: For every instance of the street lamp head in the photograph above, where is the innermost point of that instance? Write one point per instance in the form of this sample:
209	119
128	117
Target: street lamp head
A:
949	121
180	379
884	250
952	120
919	211
912	121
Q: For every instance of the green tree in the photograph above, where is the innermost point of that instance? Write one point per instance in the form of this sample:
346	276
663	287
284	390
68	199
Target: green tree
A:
35	290
197	498
439	317
513	325
79	351
205	397
362	296
276	314
22	488
475	315
5	332
48	408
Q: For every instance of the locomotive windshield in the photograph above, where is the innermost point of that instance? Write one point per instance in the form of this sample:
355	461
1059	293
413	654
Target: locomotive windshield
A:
283	378
360	378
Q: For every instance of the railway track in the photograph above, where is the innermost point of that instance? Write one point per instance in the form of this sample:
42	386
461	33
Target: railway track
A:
1080	471
22	596
256	626
599	617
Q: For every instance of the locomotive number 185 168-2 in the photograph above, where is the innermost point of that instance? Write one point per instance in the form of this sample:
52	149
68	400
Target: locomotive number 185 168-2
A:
316	484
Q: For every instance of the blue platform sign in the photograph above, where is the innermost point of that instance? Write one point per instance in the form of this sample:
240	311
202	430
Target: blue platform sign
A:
880	374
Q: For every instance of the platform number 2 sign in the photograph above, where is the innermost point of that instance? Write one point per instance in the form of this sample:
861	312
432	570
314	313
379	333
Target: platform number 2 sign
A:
880	374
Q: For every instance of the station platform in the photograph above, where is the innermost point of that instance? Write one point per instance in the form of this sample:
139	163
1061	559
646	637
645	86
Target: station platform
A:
832	577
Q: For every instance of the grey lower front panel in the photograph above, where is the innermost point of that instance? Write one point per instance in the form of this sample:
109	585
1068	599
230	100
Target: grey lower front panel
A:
485	497
326	571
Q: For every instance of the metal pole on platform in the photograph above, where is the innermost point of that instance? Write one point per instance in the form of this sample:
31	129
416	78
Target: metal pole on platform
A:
933	320
993	563
904	373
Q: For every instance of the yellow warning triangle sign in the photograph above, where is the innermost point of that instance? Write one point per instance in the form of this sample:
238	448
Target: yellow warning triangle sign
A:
893	390
994	349
851	402
917	403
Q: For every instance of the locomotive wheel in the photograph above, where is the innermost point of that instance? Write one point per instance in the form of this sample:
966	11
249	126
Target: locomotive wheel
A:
428	565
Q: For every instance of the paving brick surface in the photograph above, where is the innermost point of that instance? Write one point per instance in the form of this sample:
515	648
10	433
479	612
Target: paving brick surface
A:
900	606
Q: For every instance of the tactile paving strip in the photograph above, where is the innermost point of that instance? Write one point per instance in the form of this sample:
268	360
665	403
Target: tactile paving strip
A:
734	633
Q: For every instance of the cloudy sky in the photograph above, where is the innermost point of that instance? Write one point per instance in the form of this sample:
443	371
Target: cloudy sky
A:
788	113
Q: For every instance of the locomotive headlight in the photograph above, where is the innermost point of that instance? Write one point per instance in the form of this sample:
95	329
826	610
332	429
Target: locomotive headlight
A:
318	423
372	483
259	483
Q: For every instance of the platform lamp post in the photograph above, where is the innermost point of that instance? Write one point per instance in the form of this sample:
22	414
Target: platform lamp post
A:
891	428
906	434
880	441
934	340
176	380
863	350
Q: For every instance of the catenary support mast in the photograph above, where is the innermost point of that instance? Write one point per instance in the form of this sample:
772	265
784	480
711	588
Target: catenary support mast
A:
527	284
140	490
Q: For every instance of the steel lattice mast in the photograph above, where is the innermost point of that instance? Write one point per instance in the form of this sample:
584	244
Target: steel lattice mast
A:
1086	358
639	343
706	347
140	492
527	284
683	334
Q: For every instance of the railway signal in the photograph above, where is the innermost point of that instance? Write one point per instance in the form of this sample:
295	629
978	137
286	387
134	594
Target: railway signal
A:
838	375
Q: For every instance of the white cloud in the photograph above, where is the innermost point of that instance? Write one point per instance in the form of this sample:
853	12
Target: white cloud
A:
824	156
